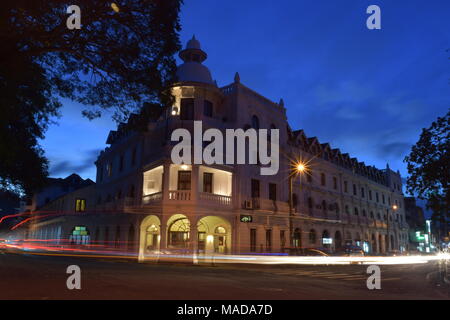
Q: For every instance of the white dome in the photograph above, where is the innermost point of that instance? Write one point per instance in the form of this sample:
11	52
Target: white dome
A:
192	68
194	71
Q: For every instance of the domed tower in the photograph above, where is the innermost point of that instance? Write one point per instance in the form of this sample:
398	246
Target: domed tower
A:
192	70
197	96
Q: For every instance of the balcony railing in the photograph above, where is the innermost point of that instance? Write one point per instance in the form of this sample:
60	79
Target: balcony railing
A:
151	198
180	195
216	198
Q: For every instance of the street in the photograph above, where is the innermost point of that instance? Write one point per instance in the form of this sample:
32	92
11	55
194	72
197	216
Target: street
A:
30	276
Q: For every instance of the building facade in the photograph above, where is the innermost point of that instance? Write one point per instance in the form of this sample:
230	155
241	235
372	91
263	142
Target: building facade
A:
143	203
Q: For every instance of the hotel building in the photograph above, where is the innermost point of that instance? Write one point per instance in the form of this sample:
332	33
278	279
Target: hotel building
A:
142	202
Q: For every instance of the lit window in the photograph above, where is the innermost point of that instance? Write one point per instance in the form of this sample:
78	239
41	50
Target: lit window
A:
79	235
80	205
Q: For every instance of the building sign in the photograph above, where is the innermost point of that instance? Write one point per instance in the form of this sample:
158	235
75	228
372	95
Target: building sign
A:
246	218
419	236
327	240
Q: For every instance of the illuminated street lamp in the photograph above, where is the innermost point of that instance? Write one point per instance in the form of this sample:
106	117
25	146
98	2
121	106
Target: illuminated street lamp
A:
300	167
297	168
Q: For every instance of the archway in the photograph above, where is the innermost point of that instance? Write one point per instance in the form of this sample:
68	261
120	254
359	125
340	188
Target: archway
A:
214	235
338	240
149	235
178	231
312	236
326	240
297	238
348	238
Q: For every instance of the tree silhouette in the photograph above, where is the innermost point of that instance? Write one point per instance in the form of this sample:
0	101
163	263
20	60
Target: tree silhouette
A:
429	169
120	58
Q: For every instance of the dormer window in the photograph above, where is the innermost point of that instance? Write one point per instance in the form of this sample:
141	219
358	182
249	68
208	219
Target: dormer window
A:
109	169
207	108
255	122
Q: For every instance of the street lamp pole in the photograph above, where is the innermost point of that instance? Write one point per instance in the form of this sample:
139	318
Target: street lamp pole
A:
291	227
298	168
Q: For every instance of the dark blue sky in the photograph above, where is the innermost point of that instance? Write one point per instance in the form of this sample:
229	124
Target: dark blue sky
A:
367	92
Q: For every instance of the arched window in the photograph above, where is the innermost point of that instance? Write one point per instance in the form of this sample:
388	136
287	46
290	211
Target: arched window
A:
310	202
255	122
338	239
324	206
312	236
220	230
297	238
322	179
326	240
356	212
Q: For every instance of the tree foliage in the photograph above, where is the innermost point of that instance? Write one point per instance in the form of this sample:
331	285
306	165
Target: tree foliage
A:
118	60
429	167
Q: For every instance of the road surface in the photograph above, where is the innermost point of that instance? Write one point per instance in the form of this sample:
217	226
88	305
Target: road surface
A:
28	276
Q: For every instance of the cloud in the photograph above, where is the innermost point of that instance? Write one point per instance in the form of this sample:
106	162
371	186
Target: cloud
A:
66	167
393	149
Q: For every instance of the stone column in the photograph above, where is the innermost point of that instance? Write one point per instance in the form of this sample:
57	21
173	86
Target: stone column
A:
194	182
166	181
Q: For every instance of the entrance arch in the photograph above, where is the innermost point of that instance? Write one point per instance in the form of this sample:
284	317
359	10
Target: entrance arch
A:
149	235
214	235
178	231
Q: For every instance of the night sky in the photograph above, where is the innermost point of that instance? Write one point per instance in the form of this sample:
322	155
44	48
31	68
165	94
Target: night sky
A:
367	92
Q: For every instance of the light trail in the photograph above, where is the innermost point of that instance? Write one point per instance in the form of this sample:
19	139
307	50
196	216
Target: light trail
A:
57	247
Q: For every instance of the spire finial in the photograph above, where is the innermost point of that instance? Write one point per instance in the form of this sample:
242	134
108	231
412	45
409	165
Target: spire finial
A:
237	78
281	103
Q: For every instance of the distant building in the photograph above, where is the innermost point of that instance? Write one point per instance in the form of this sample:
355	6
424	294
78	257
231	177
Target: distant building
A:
416	221
57	187
142	202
